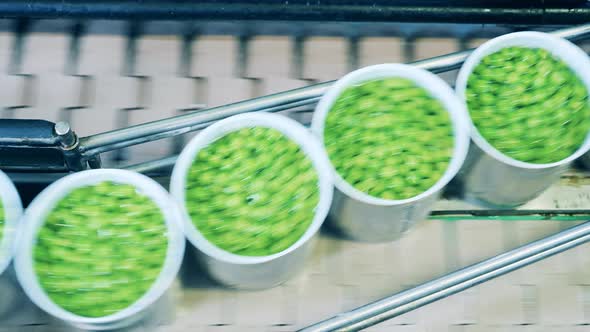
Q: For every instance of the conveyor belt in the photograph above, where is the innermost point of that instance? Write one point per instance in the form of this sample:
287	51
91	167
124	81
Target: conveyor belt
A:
101	81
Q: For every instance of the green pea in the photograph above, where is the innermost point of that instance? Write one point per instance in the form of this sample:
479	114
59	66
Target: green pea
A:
491	75
284	243
269	191
390	130
512	77
93	245
531	116
394	84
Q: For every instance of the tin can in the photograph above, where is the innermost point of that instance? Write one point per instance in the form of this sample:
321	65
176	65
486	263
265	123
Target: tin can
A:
490	177
10	215
42	205
254	272
365	218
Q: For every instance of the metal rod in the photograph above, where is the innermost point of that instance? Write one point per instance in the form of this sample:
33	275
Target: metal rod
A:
509	213
497	11
182	124
153	166
92	145
450	284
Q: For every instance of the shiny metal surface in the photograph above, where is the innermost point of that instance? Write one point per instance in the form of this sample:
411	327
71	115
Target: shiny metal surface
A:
165	165
373	223
256	276
429	292
489	182
147	132
585	160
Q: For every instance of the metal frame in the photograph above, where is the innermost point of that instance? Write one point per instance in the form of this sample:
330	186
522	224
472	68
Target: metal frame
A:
465	11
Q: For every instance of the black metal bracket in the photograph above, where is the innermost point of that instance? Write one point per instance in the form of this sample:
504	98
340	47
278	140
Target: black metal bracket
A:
39	146
538	12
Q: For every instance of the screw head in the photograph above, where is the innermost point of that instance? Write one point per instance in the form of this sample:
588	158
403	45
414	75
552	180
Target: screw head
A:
62	128
66	135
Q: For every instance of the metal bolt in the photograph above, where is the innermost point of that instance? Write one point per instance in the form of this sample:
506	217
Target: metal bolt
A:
66	136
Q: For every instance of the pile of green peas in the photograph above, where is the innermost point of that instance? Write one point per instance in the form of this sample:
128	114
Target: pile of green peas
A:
389	138
528	104
100	249
252	192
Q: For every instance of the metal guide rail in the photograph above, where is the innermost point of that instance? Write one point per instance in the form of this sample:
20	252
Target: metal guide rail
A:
58	149
452	283
465	11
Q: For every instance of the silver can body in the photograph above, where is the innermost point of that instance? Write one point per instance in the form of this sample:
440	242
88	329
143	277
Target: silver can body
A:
493	183
585	160
489	176
362	217
377	223
254	272
12	299
256	276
